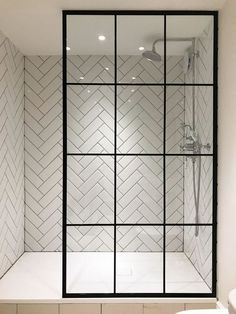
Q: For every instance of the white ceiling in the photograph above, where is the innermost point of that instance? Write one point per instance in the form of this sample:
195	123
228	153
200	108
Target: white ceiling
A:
35	25
132	32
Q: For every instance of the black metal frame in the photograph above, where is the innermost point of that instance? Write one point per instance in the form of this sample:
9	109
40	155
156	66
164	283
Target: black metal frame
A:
164	294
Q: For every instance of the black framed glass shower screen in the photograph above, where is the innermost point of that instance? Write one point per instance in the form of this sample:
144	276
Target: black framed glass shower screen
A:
139	153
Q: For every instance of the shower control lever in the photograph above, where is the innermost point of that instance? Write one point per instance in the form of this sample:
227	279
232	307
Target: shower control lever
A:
187	147
207	146
194	147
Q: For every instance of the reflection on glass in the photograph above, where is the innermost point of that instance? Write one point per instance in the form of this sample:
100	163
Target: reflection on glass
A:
189	189
90	259
189	119
189	49
189	270
90	119
198	189
139	189
139	259
90	58
90	189
175	191
140	57
140	119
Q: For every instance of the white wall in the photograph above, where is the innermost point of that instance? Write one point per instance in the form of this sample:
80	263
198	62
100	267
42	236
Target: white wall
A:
11	154
227	151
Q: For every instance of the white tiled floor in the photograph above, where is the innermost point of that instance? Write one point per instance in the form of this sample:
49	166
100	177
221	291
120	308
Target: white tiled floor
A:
38	275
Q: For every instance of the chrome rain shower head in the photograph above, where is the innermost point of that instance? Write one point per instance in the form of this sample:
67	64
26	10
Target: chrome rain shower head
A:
152	55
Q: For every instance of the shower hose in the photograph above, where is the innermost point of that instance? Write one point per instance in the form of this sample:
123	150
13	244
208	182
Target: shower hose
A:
196	191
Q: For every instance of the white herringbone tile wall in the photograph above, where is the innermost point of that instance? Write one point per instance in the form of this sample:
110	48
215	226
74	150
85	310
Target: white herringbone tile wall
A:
91	122
199	249
11	154
43	153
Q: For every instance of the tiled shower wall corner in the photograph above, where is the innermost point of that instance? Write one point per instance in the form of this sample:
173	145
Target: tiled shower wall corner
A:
199	249
90	115
11	154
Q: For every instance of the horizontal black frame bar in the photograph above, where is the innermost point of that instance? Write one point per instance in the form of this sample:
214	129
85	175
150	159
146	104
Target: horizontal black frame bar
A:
139	224
139	12
118	154
138	84
140	295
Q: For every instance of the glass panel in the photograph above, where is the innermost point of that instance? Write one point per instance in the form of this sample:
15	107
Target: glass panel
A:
175	191
90	259
139	259
175	117
139	180
189	189
189	266
139	189
198	194
204	117
136	35
90	189
140	119
189	120
90	39
90	119
174	239
189	49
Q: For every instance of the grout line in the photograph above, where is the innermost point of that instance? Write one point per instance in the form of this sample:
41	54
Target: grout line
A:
196	269
12	265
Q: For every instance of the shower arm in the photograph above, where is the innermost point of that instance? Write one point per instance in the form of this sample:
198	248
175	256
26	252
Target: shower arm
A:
178	39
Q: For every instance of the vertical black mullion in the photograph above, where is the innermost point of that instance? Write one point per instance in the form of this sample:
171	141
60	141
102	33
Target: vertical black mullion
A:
215	154
64	201
115	144
164	166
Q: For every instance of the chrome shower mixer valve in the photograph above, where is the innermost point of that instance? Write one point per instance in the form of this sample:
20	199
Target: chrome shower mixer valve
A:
192	142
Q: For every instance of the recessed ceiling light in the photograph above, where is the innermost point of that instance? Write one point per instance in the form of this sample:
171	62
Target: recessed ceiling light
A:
133	78
68	48
141	48
89	91
101	37
107	69
132	90
81	78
